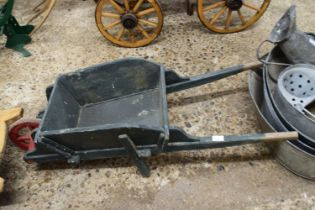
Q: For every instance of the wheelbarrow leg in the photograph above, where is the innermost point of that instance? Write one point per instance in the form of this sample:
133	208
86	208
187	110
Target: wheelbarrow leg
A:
132	150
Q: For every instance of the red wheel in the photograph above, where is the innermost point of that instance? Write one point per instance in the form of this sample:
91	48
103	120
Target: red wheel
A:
20	133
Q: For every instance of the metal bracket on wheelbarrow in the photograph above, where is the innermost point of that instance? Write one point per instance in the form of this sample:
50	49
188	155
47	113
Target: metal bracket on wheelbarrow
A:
120	109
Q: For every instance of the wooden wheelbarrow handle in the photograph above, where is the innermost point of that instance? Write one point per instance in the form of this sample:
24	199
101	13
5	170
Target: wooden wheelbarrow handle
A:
7	117
281	136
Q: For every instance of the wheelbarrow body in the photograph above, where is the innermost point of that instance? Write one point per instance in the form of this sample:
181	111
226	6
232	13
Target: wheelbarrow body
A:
124	97
120	109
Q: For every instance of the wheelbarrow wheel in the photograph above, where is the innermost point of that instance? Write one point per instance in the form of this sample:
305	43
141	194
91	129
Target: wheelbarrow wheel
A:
20	133
229	16
129	23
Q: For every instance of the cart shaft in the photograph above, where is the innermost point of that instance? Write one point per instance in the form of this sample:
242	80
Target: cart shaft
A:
210	77
189	143
227	141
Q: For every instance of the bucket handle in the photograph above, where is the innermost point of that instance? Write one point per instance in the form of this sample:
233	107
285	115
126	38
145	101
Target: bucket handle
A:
260	58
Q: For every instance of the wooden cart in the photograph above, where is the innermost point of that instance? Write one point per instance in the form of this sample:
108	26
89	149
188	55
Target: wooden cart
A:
136	23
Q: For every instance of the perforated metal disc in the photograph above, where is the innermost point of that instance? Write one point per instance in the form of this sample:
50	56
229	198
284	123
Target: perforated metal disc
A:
297	85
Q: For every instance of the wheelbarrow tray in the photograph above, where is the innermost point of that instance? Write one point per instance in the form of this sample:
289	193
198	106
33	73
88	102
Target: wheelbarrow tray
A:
120	109
89	109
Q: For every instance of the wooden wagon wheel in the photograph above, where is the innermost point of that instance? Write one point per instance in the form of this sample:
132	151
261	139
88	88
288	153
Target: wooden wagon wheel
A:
42	11
228	16
33	12
129	23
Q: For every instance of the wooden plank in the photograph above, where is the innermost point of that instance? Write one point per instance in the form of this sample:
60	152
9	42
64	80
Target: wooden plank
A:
7	117
1	184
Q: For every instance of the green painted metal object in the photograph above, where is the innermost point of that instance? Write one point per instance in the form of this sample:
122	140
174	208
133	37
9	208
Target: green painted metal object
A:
17	36
120	109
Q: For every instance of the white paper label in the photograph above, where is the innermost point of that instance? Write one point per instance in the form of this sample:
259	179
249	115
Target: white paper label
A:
217	138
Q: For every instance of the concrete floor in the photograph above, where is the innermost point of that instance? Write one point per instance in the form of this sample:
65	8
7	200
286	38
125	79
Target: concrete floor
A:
245	177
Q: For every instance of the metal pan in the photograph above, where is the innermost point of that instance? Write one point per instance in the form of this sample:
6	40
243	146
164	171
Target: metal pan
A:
290	154
294	95
270	87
